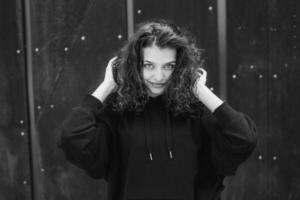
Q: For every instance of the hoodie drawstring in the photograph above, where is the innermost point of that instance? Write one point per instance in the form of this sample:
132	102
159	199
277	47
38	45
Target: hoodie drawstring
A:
148	135
169	137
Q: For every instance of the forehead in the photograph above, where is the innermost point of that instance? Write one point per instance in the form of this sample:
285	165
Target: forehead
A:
156	54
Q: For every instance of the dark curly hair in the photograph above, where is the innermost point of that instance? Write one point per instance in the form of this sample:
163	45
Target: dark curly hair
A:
131	94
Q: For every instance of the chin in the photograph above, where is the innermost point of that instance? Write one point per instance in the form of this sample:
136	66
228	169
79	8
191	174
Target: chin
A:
156	92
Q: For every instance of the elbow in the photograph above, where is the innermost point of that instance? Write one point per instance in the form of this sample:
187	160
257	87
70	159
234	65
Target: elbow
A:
252	132
243	138
251	145
250	137
253	140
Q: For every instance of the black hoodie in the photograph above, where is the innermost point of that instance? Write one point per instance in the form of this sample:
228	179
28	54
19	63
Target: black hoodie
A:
155	155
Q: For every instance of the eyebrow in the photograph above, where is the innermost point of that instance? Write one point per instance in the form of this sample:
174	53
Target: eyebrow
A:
165	63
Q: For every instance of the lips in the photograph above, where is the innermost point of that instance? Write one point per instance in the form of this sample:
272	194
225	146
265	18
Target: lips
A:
156	85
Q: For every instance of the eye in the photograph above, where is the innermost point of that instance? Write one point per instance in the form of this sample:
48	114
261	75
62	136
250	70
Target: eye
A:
170	66
148	66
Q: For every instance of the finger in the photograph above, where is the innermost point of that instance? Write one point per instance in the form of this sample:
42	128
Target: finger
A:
202	76
201	71
204	73
112	60
198	71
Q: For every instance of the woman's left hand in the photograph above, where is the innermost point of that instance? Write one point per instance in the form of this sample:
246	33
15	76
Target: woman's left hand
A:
201	81
204	94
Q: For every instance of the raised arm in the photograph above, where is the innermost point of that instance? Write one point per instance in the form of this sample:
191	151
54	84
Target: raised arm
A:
229	136
86	138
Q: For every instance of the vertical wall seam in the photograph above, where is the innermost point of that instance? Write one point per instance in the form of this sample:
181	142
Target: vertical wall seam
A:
222	47
130	18
30	101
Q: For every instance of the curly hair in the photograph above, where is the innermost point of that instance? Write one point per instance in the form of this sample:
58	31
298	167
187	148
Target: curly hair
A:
131	94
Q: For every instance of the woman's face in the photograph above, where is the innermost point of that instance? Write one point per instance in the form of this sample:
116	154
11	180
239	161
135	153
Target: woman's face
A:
158	65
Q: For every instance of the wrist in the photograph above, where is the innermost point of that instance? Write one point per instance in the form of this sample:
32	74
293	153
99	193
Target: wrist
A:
109	86
208	98
201	90
104	89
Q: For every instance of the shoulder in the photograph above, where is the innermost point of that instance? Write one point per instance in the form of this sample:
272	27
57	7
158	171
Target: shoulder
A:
195	111
109	114
103	111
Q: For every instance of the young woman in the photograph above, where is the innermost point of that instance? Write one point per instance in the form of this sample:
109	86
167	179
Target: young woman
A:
152	128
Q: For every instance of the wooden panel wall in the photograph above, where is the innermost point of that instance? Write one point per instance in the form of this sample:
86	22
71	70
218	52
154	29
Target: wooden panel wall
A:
15	177
72	42
262	81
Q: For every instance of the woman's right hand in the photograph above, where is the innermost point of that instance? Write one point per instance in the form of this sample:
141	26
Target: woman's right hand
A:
108	85
109	78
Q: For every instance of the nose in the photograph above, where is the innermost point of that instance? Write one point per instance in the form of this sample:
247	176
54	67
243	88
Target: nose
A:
159	76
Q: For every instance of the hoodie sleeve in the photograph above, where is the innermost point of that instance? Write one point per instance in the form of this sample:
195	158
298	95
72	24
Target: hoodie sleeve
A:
229	136
86	139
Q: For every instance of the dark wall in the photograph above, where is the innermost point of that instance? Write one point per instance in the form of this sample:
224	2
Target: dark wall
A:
262	81
72	42
14	133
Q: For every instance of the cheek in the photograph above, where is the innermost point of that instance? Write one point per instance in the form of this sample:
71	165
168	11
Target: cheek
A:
145	74
169	74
